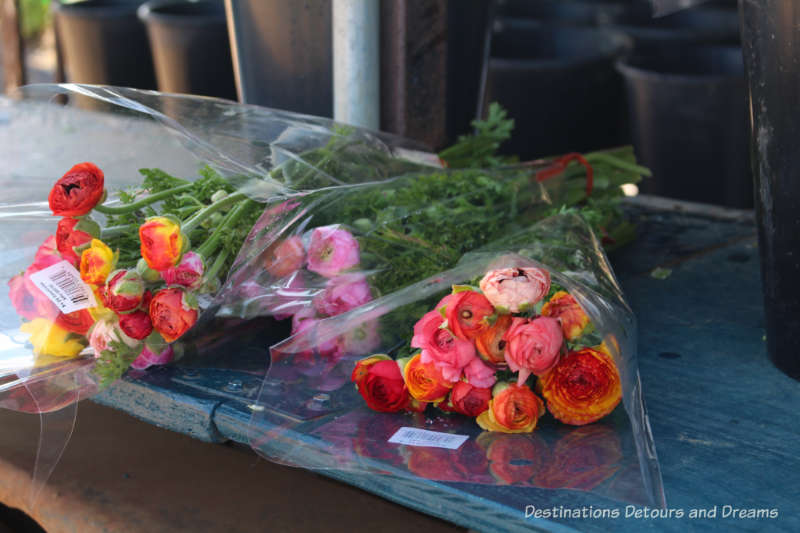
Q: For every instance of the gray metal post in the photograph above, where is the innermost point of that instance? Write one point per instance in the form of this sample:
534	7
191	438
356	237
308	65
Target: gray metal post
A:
356	62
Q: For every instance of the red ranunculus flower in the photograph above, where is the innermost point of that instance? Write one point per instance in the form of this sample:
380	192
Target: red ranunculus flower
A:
67	237
77	192
467	314
469	400
136	325
380	383
172	313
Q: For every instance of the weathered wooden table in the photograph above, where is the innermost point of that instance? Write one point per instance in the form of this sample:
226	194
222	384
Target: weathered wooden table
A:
724	419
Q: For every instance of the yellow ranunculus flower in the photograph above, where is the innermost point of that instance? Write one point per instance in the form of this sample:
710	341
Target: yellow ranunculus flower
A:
97	262
49	339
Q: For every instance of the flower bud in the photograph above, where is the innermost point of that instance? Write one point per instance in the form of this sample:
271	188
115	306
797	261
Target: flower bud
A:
124	290
97	261
188	272
162	242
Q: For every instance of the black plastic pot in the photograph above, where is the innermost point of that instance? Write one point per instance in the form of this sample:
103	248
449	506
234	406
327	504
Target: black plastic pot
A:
697	25
283	53
574	12
191	50
689	123
103	42
559	85
771	39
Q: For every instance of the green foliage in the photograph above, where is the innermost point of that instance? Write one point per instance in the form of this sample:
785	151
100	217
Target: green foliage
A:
479	150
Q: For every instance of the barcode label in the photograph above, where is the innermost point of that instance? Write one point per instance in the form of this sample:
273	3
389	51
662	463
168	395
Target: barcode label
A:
431	439
64	286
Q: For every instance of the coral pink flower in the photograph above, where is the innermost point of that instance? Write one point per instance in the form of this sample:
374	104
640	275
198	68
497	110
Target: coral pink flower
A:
467	314
515	289
479	374
533	346
148	358
332	250
285	257
342	294
188	272
448	353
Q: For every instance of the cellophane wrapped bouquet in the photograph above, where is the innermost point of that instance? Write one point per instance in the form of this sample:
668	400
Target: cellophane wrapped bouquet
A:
151	214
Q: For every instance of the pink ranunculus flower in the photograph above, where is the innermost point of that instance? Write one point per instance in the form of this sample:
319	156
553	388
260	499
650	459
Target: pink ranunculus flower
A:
148	358
479	374
332	250
533	345
188	272
444	301
104	332
330	349
515	289
342	294
448	353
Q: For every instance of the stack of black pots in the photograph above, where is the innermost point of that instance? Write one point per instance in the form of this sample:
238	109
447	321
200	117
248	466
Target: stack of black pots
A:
676	92
176	46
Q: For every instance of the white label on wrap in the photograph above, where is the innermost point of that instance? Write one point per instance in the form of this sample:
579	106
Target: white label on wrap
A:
432	439
64	286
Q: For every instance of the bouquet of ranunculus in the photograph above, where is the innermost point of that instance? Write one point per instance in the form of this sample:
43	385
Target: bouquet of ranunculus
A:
483	351
128	290
529	335
292	217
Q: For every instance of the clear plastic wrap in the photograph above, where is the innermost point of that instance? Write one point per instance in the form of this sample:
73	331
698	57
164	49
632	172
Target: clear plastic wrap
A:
310	415
665	7
350	221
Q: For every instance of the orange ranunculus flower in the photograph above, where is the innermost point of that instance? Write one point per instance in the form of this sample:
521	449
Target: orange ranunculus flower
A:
564	307
514	459
97	262
424	381
582	459
513	409
583	387
490	344
162	242
172	312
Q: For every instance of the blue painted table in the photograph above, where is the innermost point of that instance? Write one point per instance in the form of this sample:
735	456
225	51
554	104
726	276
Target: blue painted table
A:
724	419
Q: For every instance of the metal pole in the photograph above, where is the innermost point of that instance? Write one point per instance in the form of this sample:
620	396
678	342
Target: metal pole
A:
356	67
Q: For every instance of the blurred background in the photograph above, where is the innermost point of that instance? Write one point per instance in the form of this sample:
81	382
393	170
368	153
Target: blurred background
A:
576	75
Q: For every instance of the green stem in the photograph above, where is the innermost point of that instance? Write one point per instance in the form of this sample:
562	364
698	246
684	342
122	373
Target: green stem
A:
208	247
217	265
129	208
188	226
115	231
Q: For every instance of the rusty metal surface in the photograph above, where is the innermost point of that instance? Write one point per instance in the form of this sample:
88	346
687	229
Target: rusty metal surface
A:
123	476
